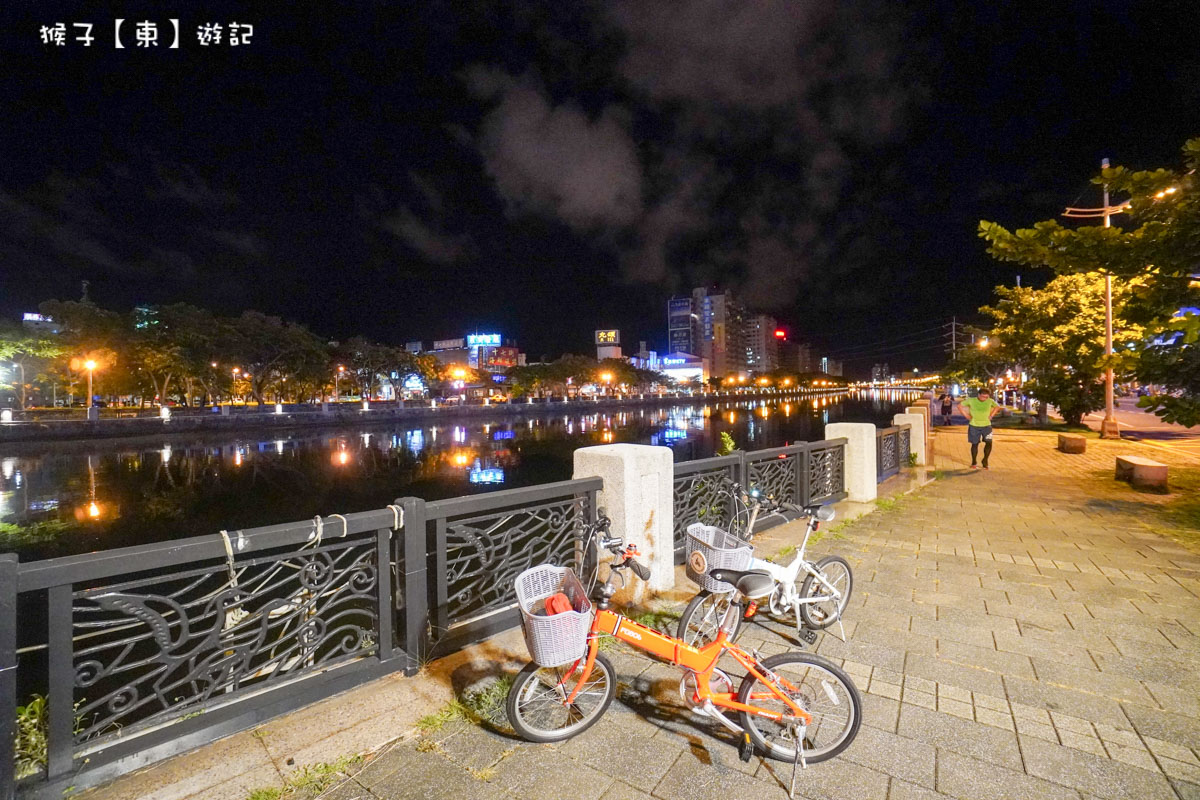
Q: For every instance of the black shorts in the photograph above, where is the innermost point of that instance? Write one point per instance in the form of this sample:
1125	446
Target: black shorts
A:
975	435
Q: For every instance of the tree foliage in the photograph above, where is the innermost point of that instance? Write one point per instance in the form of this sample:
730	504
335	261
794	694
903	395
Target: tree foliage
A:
1056	335
1153	251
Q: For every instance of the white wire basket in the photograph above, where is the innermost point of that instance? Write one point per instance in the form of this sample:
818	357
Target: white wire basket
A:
721	550
553	641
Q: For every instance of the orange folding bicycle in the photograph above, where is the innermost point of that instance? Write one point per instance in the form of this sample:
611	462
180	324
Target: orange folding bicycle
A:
792	706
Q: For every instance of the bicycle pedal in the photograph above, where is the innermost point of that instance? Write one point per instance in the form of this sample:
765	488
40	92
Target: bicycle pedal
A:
746	748
809	636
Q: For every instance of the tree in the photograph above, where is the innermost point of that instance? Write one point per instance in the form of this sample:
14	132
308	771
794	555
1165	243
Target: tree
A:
30	351
1056	335
1161	247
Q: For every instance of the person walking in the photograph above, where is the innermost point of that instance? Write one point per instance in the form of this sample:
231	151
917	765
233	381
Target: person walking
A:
979	412
947	407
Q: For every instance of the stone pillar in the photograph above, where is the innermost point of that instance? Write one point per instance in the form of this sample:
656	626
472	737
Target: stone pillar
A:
637	497
93	414
861	469
226	409
915	440
924	412
324	407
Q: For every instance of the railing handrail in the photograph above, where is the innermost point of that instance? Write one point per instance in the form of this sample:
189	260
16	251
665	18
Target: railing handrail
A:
470	504
107	563
701	464
775	452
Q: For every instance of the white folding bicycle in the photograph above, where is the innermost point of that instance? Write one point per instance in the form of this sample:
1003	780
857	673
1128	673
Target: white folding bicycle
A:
814	593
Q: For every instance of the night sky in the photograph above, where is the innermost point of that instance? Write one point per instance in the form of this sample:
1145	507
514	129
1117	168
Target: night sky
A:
417	170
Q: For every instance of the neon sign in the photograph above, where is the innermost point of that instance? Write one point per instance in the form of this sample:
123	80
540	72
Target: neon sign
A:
483	340
674	362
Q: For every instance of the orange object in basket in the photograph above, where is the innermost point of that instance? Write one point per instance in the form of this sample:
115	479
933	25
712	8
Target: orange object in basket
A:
557	604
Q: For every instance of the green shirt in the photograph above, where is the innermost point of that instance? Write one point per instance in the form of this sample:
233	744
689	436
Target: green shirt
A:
980	410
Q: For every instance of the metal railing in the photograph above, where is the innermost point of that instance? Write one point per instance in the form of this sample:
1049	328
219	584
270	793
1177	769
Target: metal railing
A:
804	473
148	651
892	446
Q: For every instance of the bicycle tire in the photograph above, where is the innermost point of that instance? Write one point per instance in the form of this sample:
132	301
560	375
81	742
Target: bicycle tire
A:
711	610
833	688
525	701
819	616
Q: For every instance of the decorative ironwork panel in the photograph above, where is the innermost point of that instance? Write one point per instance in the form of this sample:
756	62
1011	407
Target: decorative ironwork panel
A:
154	647
905	445
826	472
703	497
486	553
888	458
775	477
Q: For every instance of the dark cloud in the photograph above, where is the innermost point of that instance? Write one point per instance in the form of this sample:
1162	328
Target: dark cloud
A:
437	247
558	159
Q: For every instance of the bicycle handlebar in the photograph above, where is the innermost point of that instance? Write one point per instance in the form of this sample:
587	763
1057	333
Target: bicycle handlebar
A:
639	569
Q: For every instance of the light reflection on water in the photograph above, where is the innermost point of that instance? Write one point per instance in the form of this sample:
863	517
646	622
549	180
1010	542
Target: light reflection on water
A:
98	495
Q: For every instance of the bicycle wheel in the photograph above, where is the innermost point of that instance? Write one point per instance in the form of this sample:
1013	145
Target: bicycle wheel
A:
702	619
825	612
821	689
537	700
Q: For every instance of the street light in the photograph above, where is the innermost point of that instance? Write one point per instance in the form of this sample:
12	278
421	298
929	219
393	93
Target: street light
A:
90	365
336	377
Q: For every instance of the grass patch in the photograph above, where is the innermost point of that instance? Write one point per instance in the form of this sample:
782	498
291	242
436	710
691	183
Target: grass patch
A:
786	552
888	503
484	705
1184	512
659	620
309	781
939	474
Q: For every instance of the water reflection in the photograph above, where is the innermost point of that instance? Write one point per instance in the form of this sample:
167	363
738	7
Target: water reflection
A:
81	497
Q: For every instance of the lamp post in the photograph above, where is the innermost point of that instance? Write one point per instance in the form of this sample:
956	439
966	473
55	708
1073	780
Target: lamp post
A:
91	366
336	378
1108	426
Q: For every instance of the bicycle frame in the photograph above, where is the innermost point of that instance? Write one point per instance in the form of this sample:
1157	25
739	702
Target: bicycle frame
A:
699	661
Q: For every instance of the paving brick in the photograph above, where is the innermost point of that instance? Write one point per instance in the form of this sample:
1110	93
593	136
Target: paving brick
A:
971	779
898	756
960	736
1107	684
1099	776
1053	698
936	669
986	658
996	719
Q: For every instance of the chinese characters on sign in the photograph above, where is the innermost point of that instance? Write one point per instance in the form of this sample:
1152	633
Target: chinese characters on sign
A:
146	34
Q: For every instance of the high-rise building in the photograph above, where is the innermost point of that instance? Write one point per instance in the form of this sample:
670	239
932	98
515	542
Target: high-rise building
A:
762	346
881	372
712	326
795	357
831	366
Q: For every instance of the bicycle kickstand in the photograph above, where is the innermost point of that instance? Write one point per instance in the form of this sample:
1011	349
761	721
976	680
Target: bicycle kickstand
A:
797	759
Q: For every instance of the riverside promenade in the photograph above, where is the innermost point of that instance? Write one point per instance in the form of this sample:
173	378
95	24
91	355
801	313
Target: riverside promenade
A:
1032	631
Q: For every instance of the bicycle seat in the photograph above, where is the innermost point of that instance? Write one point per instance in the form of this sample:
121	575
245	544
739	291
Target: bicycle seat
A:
752	583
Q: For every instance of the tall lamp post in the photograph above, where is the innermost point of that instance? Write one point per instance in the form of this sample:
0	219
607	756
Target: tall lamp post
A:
1108	427
91	366
336	377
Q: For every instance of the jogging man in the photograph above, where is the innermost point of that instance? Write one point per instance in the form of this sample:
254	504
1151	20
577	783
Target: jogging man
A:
979	412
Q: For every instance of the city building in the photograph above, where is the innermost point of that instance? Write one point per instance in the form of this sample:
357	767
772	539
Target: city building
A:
762	343
831	366
451	351
40	323
413	347
608	344
712	326
685	368
646	359
795	357
881	372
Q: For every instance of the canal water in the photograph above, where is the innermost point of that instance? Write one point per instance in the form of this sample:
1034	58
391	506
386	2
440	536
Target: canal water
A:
63	499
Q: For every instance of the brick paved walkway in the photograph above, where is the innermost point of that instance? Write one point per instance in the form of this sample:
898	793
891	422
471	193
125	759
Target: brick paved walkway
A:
1026	632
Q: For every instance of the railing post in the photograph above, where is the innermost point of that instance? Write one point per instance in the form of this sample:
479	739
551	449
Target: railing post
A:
416	586
383	585
8	674
801	493
61	741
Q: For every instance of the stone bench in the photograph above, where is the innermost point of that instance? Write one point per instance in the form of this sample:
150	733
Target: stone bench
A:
1144	473
1072	443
